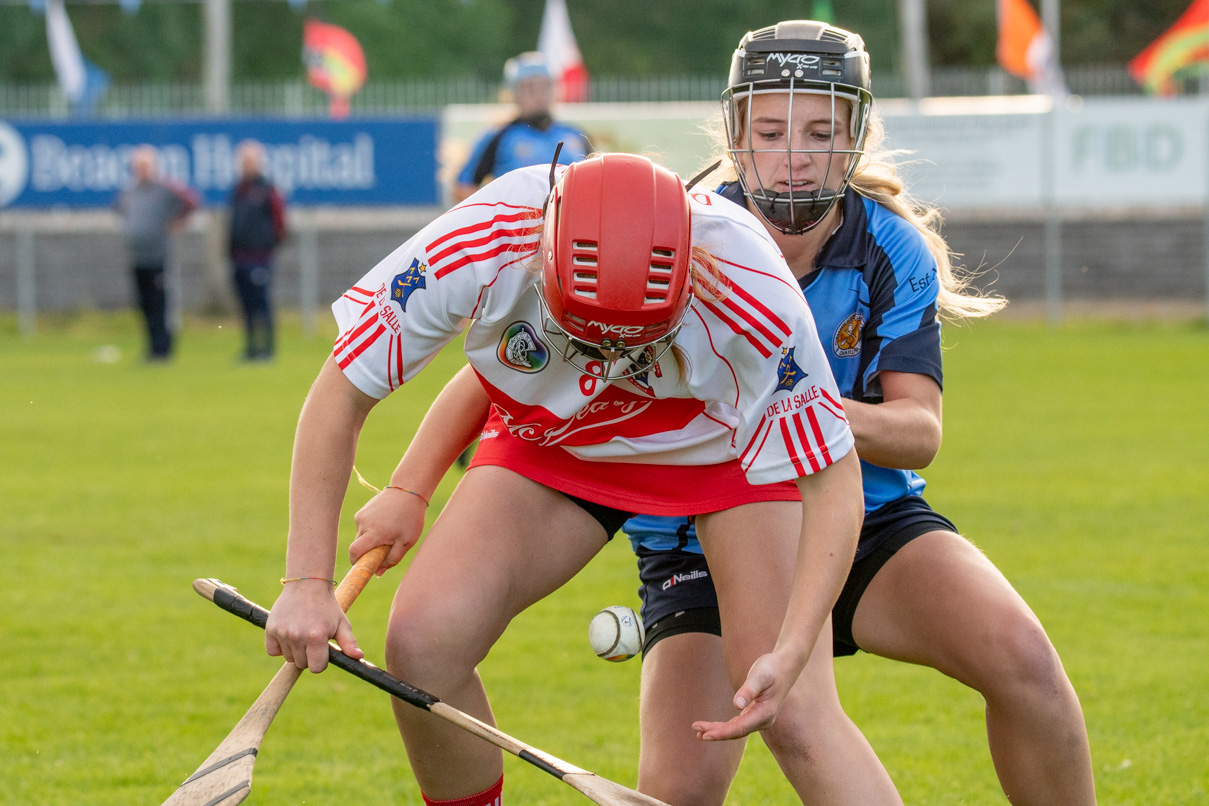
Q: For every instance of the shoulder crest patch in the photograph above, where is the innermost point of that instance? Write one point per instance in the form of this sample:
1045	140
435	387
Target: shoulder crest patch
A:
789	374
402	287
847	339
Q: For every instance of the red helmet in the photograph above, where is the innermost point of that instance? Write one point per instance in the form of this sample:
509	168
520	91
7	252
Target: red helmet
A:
615	260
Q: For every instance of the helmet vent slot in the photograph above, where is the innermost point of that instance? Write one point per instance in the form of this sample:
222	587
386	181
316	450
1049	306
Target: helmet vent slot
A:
584	283
659	279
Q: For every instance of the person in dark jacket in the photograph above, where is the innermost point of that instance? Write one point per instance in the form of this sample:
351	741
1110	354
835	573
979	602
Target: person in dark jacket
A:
257	227
152	211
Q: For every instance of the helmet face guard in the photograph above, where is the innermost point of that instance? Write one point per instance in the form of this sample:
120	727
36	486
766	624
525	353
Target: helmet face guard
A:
616	253
604	362
796	59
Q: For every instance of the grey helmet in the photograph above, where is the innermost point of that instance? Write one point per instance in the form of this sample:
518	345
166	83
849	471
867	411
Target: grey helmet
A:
797	56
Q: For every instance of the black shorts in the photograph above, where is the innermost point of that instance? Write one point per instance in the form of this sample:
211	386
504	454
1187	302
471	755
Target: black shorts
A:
678	595
611	519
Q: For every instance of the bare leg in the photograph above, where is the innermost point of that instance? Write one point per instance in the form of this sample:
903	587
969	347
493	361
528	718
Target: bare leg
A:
684	678
940	602
826	759
502	543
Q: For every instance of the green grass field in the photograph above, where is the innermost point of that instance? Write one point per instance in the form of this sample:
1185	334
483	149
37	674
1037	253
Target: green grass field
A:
1076	456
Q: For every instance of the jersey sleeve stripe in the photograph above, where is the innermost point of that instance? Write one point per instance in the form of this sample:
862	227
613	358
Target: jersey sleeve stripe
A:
351	356
819	439
399	360
529	248
756	444
737	328
836	407
359	295
368	317
523	214
793	444
831	399
839	415
765	314
755	322
394	355
470	243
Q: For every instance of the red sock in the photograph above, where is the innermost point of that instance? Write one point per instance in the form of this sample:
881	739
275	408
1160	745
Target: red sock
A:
492	797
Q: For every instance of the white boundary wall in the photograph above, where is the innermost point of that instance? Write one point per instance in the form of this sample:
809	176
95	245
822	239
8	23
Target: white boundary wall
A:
968	154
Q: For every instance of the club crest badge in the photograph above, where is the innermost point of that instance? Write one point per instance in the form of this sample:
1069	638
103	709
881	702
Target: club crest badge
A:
522	350
410	281
847	339
645	361
789	374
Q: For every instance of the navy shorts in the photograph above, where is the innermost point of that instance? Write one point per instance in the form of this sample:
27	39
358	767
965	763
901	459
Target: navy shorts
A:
678	595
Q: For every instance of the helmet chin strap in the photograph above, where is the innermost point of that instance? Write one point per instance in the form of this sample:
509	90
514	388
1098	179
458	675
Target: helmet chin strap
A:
794	213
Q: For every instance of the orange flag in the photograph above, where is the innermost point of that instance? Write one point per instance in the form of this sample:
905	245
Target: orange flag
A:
1025	48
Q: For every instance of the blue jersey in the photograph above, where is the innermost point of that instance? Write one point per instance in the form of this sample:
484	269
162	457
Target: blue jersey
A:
873	297
522	143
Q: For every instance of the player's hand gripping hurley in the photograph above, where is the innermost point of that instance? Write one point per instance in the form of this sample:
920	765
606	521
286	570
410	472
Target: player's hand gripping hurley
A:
225	778
597	789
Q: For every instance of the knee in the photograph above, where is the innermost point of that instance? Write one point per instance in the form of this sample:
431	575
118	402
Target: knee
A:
688	785
423	652
1020	662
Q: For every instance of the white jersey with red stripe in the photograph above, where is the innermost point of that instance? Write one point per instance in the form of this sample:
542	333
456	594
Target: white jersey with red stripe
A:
749	381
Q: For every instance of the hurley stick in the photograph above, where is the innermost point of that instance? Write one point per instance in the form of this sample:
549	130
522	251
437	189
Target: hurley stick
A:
598	790
225	778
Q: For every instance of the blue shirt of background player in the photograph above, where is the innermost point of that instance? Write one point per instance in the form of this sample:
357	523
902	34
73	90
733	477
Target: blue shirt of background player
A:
873	297
521	143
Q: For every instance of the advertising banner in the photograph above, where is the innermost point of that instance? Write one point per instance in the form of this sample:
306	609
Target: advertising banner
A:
360	162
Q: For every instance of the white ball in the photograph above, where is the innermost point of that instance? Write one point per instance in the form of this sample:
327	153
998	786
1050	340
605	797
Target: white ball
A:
616	633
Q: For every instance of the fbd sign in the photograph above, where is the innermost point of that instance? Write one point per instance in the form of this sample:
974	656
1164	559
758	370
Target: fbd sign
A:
336	163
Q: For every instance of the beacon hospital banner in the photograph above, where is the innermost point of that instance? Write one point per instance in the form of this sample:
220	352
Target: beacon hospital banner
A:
362	162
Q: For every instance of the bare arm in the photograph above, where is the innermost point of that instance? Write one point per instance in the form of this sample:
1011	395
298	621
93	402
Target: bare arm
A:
904	430
306	615
832	511
395	517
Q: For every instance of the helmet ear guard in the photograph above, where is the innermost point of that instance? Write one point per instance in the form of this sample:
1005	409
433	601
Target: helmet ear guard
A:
797	57
616	258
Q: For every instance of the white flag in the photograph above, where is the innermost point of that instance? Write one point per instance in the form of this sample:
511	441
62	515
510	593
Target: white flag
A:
557	43
65	52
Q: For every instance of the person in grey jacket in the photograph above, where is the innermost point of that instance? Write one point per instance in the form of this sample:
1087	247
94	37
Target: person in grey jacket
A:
152	211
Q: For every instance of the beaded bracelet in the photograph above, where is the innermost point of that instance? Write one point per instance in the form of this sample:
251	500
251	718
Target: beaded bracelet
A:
300	579
404	489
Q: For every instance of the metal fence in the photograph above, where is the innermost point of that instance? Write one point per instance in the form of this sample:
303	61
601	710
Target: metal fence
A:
299	99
